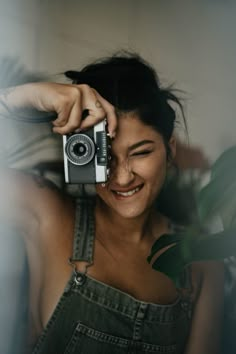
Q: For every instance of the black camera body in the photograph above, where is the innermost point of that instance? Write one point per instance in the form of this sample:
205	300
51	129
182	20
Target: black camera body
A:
86	155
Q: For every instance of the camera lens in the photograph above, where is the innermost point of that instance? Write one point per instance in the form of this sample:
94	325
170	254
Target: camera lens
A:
80	149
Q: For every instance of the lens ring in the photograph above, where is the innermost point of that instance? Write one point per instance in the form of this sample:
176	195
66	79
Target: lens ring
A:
80	149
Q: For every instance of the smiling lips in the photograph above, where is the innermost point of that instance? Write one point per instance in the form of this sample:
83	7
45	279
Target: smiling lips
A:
129	193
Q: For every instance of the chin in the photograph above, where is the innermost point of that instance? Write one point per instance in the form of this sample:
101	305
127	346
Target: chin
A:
129	213
128	208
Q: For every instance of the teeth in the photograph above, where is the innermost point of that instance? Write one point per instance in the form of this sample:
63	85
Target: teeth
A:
128	194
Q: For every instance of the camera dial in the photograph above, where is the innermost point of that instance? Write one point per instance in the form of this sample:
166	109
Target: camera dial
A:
80	149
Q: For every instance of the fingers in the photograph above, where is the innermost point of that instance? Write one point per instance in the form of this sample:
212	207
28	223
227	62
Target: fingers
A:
67	123
110	114
96	111
85	98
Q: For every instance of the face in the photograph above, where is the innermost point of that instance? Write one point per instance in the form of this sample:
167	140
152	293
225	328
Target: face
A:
138	168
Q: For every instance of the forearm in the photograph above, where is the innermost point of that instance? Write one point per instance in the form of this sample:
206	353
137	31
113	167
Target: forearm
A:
61	103
20	103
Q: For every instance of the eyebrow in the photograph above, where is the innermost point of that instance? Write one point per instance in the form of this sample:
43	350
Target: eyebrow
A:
140	143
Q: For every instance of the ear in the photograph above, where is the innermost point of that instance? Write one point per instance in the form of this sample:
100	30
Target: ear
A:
172	147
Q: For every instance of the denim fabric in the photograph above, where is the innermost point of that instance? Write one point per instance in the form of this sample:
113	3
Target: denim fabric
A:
94	318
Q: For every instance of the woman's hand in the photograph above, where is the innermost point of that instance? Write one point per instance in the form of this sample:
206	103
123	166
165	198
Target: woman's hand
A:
67	100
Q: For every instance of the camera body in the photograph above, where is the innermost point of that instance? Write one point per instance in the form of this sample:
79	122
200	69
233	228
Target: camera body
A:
86	155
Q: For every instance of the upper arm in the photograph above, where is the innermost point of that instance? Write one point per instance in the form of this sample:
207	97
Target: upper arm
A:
24	198
205	335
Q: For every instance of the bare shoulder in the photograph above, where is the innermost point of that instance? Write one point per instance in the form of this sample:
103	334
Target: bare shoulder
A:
47	194
35	183
32	186
43	183
44	189
28	198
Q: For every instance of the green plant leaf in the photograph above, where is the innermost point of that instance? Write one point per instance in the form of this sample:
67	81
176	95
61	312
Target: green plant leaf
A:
218	197
188	249
220	192
215	247
225	163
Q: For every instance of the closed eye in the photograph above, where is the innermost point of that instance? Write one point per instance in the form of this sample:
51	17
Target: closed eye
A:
142	152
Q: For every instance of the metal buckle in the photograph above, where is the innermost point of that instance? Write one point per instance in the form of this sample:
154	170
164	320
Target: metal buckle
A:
79	278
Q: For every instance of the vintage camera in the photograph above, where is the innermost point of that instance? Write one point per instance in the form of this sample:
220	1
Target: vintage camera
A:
86	155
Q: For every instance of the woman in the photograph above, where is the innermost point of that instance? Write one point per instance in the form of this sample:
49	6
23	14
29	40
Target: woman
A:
107	298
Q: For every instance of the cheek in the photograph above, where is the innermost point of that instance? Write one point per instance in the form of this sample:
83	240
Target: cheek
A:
157	178
100	190
153	169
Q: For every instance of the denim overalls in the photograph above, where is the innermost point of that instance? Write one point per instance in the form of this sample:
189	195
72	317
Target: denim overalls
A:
94	318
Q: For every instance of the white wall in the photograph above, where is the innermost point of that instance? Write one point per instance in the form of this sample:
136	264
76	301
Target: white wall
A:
190	43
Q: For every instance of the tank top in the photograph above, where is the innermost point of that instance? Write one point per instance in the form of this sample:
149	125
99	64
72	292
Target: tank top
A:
94	318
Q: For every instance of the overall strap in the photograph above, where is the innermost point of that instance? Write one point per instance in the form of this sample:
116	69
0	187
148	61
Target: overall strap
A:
84	231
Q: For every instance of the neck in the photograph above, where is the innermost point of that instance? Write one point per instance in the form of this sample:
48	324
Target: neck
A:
129	230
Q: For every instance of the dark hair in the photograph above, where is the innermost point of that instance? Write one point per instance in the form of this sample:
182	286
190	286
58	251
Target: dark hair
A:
132	85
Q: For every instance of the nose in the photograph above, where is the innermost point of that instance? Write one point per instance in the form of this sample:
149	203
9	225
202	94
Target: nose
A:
122	174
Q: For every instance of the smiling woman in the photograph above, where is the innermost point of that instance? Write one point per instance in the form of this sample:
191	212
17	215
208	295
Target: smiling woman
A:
138	168
108	298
